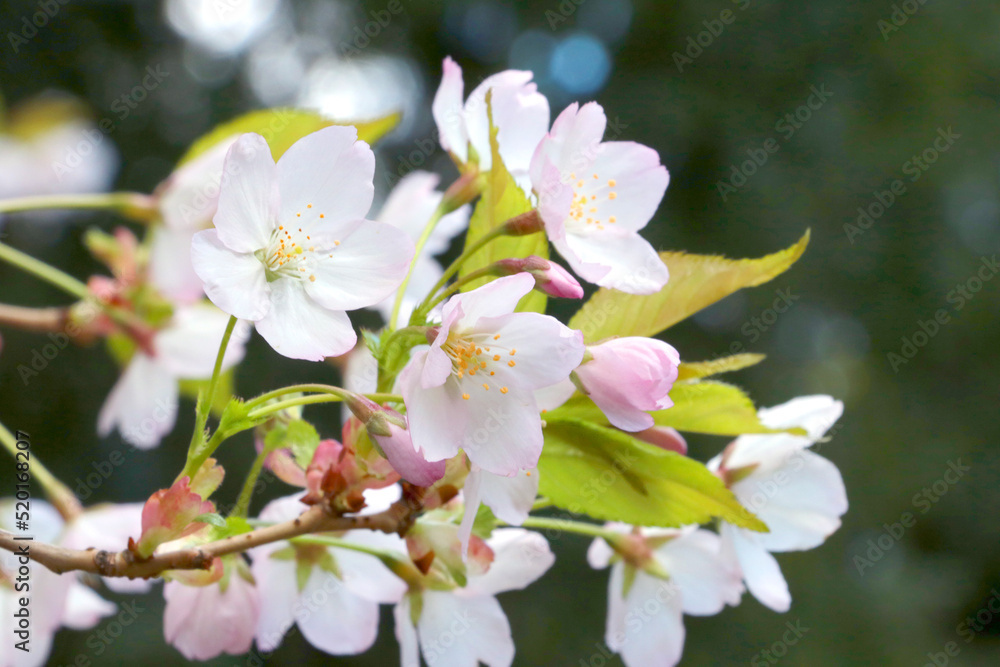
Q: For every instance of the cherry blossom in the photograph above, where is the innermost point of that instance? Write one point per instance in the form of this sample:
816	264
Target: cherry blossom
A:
595	196
332	594
465	626
799	494
143	403
666	574
291	249
481	370
520	114
628	377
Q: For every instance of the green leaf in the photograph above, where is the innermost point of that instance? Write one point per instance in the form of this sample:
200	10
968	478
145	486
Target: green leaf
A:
700	369
210	518
715	408
696	281
610	475
282	127
484	523
501	200
299	436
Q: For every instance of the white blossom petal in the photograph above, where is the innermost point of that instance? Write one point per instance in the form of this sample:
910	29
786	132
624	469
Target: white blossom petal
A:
234	282
299	328
248	196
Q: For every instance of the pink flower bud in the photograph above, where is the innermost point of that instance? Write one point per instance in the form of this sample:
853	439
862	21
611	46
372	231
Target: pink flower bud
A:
550	278
628	377
664	437
169	513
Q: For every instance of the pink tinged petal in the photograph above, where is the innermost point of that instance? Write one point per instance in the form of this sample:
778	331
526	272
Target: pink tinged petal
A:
478	625
365	575
521	115
599	554
627	377
551	397
435	438
235	282
510	498
555	200
142	404
639	184
816	414
496	298
505	86
335	620
707	579
406	635
545	351
802	511
520	557
189	344
405	459
299	328
331	170
590	271
659	639
248	196
85	608
633	266
760	569
411	203
502	436
170	269
203	622
168	514
573	142
449	111
367	266
277	584
664	437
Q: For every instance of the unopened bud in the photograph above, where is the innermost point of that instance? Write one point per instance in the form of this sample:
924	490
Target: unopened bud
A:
524	224
550	278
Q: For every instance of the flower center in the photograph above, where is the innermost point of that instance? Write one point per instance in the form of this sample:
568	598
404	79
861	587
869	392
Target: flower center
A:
588	194
475	359
292	253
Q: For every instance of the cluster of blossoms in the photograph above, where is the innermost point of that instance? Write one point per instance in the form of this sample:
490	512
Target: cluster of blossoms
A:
451	441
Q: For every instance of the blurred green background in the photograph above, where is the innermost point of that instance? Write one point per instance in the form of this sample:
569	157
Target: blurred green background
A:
855	295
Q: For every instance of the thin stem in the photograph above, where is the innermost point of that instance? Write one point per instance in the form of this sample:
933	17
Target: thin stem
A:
243	503
326	541
458	284
541	503
33	319
567	526
133	205
439	213
205	402
453	268
57	492
40	269
315	388
328	397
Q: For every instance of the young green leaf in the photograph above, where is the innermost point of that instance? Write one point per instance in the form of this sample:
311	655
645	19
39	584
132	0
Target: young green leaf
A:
501	200
282	127
700	369
299	436
696	281
210	518
713	407
610	475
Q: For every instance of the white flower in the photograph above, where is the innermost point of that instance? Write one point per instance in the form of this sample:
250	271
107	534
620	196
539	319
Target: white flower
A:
510	498
645	612
799	494
291	249
466	626
336	605
520	114
473	388
143	403
409	206
595	196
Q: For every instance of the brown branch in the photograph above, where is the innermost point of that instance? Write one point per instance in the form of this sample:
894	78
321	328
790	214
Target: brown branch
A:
33	319
317	519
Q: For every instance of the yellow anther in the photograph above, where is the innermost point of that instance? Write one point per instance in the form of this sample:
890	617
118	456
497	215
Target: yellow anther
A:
511	363
503	390
486	386
496	357
613	195
465	396
312	278
513	351
612	183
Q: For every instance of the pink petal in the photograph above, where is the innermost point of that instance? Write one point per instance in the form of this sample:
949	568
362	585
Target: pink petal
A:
248	196
449	111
